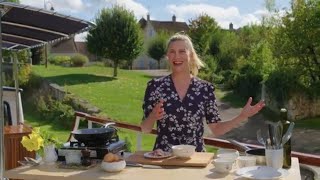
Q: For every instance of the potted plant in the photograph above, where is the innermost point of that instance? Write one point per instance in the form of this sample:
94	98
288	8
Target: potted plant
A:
43	143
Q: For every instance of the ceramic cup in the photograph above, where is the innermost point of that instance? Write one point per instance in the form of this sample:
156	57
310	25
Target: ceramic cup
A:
274	158
246	161
223	165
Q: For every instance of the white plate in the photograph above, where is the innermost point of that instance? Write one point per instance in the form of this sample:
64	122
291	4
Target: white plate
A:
262	172
150	155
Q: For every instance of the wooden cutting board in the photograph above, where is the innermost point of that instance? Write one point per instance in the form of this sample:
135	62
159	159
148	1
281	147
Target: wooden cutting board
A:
198	159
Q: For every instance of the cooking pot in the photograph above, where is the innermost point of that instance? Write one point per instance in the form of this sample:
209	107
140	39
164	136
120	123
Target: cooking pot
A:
259	153
95	136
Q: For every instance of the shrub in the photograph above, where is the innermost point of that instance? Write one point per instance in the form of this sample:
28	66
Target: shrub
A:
248	82
24	74
53	110
229	78
281	83
60	60
79	60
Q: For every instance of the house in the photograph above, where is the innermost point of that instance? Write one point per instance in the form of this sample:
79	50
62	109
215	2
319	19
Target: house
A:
150	29
70	47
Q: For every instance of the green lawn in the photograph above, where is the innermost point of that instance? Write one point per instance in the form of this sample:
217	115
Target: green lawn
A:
118	98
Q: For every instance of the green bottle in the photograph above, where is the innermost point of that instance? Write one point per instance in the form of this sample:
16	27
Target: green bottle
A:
287	146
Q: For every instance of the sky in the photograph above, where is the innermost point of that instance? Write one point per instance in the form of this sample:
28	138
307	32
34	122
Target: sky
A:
239	12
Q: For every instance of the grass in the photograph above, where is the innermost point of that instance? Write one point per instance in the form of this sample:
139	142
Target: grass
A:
310	123
118	98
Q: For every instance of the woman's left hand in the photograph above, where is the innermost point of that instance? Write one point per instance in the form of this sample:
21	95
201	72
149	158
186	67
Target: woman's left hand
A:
249	110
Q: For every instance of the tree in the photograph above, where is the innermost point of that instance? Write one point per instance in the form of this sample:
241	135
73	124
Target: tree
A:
297	41
157	47
117	36
200	32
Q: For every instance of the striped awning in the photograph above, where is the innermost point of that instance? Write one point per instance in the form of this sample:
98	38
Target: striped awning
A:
27	27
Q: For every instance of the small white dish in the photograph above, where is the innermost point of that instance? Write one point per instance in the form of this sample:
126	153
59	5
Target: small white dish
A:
228	151
113	166
262	172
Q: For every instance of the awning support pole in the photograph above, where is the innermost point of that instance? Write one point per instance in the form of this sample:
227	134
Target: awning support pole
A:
16	85
2	160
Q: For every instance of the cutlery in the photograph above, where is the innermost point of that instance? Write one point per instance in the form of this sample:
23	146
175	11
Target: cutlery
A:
278	135
288	134
260	138
150	166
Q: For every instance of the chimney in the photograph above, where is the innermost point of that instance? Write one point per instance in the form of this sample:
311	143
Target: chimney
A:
174	18
148	17
231	26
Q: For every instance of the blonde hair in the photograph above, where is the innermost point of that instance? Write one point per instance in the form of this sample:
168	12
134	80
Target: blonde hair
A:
195	62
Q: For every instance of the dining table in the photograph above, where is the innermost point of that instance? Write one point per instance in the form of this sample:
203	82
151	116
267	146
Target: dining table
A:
53	172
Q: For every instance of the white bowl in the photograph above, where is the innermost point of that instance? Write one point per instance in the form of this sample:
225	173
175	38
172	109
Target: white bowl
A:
223	165
228	151
183	151
113	166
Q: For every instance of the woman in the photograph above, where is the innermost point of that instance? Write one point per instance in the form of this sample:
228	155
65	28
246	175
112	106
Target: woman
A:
180	102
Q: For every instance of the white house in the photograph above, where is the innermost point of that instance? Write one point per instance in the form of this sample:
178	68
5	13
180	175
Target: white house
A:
150	29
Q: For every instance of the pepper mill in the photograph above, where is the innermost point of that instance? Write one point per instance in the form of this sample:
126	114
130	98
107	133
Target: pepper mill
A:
86	161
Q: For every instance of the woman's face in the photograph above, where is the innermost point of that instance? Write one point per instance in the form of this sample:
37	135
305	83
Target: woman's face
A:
178	56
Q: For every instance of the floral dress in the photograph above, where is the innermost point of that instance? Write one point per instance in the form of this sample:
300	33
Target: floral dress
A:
183	119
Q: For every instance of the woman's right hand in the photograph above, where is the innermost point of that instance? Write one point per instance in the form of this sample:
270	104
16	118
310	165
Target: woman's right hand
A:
157	112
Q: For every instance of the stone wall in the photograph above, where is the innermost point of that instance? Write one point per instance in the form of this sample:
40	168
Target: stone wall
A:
299	106
58	93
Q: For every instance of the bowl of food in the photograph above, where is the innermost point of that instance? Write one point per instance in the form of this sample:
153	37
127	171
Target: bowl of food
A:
183	151
113	163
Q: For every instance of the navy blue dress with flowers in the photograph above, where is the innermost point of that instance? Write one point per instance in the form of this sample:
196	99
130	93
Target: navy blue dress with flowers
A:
183	119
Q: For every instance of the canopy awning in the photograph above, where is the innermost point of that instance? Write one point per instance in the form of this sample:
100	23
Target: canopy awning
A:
27	27
24	27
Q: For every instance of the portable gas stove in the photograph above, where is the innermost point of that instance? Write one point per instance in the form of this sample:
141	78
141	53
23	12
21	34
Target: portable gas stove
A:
97	151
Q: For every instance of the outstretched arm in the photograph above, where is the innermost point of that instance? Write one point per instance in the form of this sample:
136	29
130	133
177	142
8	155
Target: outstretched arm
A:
221	128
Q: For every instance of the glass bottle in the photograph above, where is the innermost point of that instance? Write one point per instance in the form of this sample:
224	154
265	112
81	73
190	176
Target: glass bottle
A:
287	146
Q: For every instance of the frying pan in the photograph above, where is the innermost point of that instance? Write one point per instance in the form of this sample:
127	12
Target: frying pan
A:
97	136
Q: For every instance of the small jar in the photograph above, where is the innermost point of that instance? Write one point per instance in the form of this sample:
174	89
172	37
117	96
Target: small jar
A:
85	161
